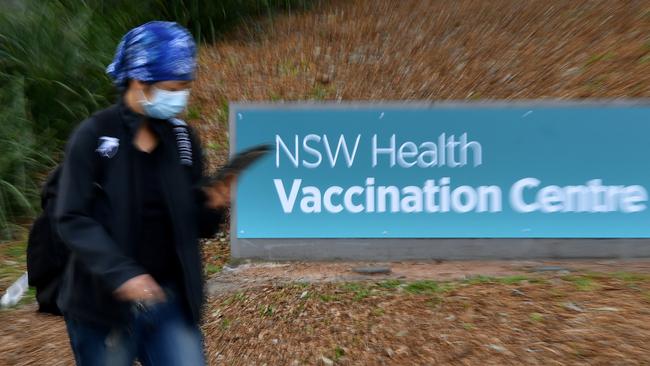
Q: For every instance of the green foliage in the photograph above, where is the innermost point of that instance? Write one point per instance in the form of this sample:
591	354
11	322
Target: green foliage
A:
20	159
320	92
193	112
513	280
267	310
479	279
389	284
211	269
631	277
360	290
582	283
53	56
338	353
423	287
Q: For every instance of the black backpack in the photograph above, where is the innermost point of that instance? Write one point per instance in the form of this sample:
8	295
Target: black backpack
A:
47	255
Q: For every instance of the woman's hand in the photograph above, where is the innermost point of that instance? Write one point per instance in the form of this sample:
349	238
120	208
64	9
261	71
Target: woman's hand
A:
219	193
140	288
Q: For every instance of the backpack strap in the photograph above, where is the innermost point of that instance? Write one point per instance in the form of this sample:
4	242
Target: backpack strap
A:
183	142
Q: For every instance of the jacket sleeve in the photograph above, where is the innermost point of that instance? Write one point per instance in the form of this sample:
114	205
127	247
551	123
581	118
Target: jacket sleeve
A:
86	237
209	220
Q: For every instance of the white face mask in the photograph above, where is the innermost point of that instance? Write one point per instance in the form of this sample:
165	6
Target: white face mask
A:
165	104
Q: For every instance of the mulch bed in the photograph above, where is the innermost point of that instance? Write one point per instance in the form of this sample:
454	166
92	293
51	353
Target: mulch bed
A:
591	319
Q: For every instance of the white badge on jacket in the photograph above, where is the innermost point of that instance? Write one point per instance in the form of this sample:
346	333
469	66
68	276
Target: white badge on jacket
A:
108	146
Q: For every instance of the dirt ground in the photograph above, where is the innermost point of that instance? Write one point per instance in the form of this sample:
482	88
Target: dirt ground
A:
465	313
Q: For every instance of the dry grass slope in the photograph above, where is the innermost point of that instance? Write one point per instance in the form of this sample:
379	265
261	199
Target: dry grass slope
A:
428	50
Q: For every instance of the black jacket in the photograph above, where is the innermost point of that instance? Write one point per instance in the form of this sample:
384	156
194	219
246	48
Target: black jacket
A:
94	212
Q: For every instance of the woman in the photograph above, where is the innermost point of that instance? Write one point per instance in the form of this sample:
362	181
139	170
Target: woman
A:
131	208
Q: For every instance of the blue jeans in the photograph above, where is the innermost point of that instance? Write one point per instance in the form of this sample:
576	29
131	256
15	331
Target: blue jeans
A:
161	334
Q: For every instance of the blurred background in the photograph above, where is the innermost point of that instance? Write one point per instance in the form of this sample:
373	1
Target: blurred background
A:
53	56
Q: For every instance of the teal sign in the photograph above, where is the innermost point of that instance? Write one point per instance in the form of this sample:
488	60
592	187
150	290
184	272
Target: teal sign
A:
444	171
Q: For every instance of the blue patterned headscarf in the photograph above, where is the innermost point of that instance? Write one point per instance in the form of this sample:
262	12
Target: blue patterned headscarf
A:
152	52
